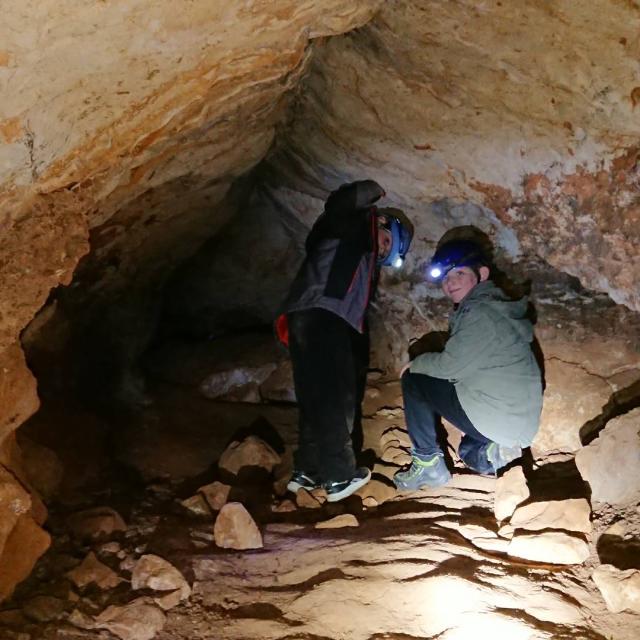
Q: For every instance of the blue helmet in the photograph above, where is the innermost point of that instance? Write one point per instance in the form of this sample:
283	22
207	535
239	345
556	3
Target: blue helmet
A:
456	253
400	240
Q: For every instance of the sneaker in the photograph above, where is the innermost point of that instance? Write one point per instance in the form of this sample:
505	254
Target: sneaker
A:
300	480
500	455
339	490
427	472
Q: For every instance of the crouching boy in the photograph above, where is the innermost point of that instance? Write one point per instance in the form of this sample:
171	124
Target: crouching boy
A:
486	382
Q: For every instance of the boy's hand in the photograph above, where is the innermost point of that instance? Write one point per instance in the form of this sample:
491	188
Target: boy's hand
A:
405	368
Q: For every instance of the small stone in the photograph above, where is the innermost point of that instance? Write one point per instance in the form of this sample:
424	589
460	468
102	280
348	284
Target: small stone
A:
154	572
138	620
506	531
251	452
286	506
376	490
216	494
235	528
343	520
44	608
197	505
620	589
570	515
128	563
551	547
96	523
617	529
511	490
306	500
91	570
81	620
369	502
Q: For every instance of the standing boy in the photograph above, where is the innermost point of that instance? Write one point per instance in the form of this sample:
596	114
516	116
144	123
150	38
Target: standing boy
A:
325	319
486	382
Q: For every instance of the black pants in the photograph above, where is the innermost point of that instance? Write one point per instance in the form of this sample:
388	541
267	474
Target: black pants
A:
427	398
329	360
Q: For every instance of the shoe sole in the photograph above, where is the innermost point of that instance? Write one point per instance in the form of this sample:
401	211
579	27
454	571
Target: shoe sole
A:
349	489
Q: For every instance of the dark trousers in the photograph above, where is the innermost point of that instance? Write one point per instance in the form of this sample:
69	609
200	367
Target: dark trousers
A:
329	361
425	399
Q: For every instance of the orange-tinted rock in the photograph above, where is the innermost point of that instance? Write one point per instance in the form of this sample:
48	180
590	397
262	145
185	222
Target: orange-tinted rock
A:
251	452
235	528
92	571
96	523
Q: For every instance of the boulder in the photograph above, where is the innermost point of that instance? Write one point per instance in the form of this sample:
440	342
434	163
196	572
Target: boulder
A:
550	547
570	515
42	466
154	572
235	528
511	490
620	589
96	523
251	452
611	463
239	384
216	494
138	620
91	570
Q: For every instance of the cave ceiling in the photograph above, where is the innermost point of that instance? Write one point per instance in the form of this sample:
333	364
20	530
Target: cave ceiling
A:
124	125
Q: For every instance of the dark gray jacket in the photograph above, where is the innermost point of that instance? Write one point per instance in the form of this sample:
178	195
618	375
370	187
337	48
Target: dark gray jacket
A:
339	273
489	359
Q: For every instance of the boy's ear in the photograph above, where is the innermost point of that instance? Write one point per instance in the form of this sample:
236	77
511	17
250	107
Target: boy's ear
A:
484	273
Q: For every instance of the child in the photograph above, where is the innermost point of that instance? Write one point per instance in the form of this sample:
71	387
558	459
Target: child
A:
486	382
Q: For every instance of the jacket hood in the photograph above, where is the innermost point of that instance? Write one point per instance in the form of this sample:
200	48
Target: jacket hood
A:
514	311
354	195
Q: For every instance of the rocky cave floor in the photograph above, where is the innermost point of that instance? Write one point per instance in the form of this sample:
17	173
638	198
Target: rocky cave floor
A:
434	564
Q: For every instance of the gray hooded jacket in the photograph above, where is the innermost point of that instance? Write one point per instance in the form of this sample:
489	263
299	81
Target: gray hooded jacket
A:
488	358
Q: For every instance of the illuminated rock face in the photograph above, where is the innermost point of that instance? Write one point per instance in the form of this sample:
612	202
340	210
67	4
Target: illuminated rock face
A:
128	132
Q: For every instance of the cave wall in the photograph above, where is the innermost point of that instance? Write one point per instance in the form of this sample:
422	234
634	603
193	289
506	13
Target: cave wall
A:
122	126
126	126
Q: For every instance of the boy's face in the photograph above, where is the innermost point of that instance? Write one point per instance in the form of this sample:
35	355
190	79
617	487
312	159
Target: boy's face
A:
384	238
459	282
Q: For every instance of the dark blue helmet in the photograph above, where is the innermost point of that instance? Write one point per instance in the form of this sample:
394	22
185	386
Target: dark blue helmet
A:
456	253
400	240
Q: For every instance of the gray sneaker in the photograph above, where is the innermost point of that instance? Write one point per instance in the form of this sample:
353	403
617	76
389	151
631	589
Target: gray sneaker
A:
500	455
423	472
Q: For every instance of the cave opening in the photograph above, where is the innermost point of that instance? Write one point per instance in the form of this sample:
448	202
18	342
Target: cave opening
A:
155	219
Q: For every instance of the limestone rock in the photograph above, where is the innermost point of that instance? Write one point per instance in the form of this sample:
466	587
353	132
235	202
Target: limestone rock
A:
235	528
197	504
285	506
571	515
240	384
154	572
96	523
91	570
551	547
376	492
215	494
343	520
42	466
251	452
307	500
278	387
138	620
511	490
611	463
22	548
620	589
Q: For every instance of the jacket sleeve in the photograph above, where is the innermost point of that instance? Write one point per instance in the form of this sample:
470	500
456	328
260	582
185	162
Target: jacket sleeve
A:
464	351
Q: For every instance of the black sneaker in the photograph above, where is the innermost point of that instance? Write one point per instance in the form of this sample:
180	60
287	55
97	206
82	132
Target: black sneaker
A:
300	480
339	490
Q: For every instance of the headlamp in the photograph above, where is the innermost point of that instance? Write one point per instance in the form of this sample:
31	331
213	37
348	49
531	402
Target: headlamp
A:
398	262
435	272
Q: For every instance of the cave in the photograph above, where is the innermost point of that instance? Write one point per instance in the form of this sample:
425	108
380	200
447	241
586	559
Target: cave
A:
160	169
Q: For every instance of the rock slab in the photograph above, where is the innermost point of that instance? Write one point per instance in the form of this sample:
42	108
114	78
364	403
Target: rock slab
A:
552	547
570	515
138	620
154	572
620	589
511	490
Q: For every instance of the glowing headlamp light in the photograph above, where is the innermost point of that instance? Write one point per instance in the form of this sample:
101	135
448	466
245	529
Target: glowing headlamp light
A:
435	272
398	262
